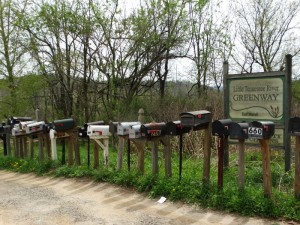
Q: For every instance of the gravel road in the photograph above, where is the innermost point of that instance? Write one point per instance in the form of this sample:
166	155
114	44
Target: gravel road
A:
30	200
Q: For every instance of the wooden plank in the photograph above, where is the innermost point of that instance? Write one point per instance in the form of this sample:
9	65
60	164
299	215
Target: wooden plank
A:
267	179
41	147
31	147
141	155
167	156
70	149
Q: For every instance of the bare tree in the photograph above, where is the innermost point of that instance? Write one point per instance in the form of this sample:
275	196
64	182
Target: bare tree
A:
266	33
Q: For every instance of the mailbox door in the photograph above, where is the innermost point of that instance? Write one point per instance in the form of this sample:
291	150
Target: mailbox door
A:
176	128
294	126
261	130
197	120
238	131
221	127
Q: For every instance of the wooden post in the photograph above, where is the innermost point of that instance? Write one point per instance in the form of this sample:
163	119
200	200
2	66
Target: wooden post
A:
267	179
207	153
180	155
105	150
21	144
70	148
41	147
167	156
120	153
226	109
76	148
63	152
140	152
89	150
31	147
241	161
96	155
297	168
287	112
128	154
8	135
25	147
154	152
47	144
220	161
4	144
16	147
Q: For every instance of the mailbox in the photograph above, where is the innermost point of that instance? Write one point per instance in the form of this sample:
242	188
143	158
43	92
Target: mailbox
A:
63	125
14	120
24	124
35	127
135	132
82	131
113	127
16	131
98	131
238	130
176	128
123	128
153	130
197	119
261	129
294	126
220	127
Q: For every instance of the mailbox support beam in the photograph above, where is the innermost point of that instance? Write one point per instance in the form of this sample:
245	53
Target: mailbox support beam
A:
140	144
297	168
154	154
120	153
241	161
180	155
8	144
267	179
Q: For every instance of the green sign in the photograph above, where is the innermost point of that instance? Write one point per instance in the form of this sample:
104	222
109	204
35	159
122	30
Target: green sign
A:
256	99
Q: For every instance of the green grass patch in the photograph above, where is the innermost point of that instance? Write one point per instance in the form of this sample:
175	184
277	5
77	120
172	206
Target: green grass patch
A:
190	189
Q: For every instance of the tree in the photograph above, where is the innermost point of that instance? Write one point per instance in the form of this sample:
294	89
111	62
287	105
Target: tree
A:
13	50
265	34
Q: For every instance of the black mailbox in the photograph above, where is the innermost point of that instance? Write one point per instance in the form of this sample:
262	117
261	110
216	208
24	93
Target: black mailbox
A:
238	130
176	128
294	126
82	131
261	129
63	125
153	130
197	119
15	120
221	127
113	127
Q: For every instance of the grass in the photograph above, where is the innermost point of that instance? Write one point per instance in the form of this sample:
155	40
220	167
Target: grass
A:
190	189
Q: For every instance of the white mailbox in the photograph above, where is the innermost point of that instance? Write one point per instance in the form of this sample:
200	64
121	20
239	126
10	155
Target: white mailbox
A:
24	124
35	127
135	132
98	131
123	128
16	131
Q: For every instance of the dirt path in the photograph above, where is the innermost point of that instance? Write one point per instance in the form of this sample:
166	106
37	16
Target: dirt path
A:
29	200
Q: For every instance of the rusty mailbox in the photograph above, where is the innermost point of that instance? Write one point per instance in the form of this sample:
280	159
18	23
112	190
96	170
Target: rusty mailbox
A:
294	126
82	131
197	119
123	128
151	130
220	127
176	128
261	129
238	131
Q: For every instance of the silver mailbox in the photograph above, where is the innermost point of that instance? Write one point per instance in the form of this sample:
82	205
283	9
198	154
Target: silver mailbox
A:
123	128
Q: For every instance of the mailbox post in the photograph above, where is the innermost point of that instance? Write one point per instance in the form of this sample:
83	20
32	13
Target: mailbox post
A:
239	131
175	128
294	130
201	120
263	131
123	134
156	132
220	128
136	137
82	133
